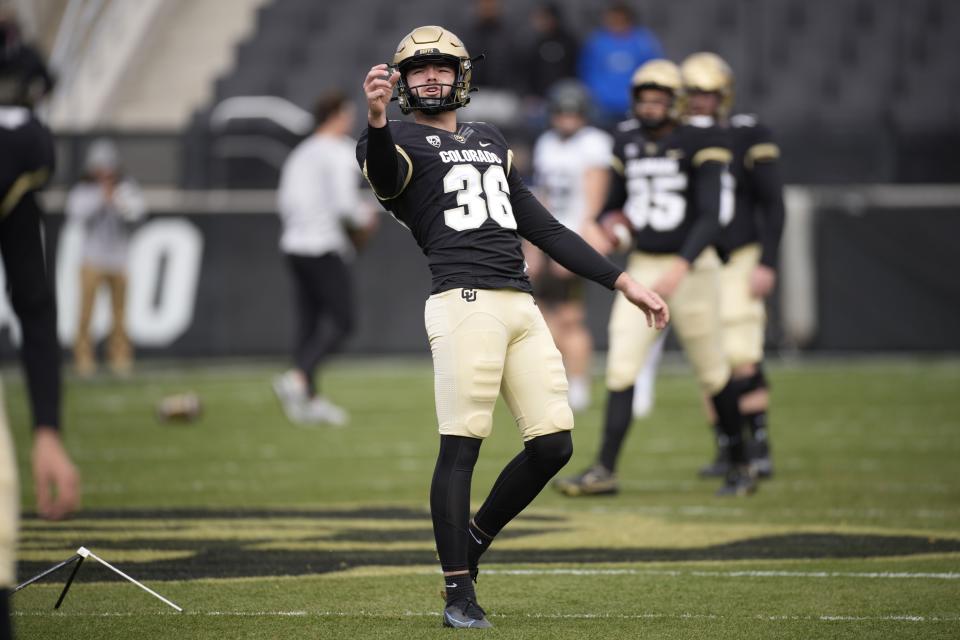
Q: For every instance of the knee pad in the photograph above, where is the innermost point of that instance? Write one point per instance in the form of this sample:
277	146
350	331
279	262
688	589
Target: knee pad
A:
550	452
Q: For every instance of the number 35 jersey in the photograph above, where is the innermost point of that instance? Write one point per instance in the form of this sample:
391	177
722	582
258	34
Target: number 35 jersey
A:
456	201
655	183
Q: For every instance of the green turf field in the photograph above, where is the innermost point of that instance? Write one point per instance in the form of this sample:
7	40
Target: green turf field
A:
263	530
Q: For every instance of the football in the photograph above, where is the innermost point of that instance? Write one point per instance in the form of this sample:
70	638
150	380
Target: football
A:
618	230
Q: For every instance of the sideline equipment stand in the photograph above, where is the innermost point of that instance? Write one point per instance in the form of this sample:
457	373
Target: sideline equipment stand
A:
82	554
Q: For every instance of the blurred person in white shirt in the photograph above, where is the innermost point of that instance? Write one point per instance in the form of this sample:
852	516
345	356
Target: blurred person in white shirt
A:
324	217
570	163
108	205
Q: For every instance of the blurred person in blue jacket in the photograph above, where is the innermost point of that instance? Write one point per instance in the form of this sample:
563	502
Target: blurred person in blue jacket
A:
610	56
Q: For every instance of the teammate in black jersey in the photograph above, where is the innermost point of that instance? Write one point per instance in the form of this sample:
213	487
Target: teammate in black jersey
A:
455	187
751	241
669	179
26	163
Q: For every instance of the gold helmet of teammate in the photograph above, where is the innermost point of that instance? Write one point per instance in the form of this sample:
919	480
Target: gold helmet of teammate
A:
709	73
659	74
433	44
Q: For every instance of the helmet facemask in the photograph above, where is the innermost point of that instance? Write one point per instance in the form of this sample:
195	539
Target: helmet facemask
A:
670	115
457	96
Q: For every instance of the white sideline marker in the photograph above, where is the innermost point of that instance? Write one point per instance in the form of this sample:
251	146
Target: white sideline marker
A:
86	553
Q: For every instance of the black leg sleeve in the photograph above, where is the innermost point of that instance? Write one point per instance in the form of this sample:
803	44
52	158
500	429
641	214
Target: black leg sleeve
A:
616	423
727	405
450	499
523	479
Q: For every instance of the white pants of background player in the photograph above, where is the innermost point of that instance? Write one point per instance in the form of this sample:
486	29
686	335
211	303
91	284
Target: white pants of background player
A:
644	387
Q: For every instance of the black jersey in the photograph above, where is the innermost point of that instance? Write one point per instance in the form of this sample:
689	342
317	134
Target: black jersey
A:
672	188
759	211
467	207
26	163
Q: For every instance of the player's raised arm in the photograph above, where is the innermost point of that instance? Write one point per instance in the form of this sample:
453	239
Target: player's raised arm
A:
382	165
378	86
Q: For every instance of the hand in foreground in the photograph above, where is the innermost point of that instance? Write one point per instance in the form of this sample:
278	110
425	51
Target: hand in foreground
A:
56	481
762	281
656	310
378	86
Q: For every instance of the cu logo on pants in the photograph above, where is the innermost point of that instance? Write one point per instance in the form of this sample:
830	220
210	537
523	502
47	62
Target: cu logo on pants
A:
468	294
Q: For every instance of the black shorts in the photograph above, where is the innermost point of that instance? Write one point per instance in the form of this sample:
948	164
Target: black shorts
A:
551	289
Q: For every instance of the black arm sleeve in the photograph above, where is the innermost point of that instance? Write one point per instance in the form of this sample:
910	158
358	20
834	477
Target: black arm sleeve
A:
385	168
536	224
31	294
769	191
616	194
705	230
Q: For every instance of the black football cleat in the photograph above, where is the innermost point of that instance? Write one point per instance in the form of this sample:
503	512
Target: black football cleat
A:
739	482
465	614
595	481
762	467
718	468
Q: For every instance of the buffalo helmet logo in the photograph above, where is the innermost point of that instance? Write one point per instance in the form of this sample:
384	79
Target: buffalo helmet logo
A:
434	140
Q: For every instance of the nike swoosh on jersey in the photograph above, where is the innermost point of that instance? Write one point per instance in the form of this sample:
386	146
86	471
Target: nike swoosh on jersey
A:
485	144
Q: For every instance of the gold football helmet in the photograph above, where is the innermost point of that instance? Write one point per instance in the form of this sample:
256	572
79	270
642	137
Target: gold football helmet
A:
659	74
709	73
432	44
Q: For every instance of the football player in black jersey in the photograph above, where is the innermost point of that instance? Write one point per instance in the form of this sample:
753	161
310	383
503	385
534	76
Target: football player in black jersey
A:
456	189
26	163
752	242
670	181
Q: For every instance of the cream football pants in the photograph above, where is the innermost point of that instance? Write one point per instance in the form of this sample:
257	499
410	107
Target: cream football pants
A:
9	501
487	342
694	315
743	315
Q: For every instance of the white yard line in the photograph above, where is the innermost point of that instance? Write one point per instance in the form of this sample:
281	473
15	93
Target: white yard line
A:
544	616
724	574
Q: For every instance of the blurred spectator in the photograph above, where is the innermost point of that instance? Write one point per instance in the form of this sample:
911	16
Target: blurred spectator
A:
108	205
553	53
611	55
489	34
24	79
570	162
321	211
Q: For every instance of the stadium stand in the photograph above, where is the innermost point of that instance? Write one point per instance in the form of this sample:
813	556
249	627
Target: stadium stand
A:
858	91
854	88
